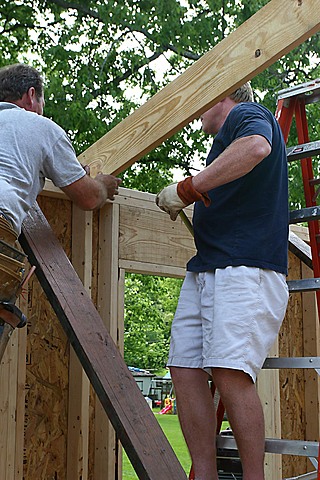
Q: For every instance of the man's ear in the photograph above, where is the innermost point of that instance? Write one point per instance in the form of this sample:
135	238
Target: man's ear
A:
27	100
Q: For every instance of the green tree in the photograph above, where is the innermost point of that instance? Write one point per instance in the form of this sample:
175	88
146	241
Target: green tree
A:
103	59
150	303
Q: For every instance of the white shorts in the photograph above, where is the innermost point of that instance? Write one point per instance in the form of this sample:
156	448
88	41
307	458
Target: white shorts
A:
229	318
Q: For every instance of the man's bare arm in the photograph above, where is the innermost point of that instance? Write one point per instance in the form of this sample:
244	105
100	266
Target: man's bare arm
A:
236	161
92	193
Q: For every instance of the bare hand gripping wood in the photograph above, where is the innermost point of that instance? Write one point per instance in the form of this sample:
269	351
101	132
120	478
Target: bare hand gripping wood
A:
138	430
264	38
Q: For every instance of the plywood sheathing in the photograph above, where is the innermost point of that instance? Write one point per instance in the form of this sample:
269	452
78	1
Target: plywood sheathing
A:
46	413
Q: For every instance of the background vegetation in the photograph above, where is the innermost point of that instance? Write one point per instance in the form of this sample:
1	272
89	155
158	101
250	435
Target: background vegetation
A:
102	59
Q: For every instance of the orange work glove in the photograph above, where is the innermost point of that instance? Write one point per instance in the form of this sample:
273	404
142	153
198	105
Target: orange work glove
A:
175	197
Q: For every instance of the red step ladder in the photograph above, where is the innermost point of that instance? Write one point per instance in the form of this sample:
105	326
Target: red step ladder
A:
292	103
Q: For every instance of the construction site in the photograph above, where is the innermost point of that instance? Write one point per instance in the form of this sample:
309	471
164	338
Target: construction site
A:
68	402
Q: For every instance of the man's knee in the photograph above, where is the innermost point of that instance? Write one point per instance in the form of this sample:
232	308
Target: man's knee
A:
227	379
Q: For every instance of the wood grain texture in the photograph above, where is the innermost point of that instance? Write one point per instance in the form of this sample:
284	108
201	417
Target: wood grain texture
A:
292	382
138	430
47	369
252	47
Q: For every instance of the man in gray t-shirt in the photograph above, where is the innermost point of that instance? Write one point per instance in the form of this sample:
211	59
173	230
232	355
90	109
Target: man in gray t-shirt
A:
33	148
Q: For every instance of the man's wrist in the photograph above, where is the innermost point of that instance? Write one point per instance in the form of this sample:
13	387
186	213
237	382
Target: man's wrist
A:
188	194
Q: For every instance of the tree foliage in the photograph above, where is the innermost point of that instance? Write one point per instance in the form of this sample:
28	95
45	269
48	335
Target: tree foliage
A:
101	60
148	321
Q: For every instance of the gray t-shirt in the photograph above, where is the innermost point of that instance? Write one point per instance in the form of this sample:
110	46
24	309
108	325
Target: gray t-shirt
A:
32	148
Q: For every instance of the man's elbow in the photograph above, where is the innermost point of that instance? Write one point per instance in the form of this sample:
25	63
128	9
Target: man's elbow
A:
261	148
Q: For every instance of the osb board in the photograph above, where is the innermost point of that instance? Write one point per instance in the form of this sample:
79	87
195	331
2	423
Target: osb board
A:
292	386
47	370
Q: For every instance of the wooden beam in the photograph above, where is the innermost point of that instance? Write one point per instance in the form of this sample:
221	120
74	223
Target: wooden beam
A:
79	386
300	249
271	33
269	392
139	432
106	454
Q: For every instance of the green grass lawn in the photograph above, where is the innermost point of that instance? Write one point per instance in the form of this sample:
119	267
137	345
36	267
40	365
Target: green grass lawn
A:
171	427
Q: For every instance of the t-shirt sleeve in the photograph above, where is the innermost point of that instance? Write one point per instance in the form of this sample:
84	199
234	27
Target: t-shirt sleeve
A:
61	164
248	119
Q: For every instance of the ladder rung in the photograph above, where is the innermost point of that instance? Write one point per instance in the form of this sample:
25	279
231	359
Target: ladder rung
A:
274	445
314	181
310	88
304	285
307	214
304	150
293	362
304	476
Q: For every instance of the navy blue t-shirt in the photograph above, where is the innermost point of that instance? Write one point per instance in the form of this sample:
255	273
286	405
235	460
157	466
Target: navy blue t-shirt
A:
247	221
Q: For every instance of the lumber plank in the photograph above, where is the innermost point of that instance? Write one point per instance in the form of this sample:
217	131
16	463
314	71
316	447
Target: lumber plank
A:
300	249
106	456
139	432
269	393
79	386
311	343
251	48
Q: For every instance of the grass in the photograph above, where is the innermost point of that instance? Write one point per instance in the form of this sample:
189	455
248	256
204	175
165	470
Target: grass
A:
171	428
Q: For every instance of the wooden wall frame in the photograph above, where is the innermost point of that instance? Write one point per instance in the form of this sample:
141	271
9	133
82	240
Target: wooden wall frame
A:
131	235
251	48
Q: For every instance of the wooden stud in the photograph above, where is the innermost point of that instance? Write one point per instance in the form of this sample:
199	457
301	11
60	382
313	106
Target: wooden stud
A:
311	341
106	444
269	393
79	386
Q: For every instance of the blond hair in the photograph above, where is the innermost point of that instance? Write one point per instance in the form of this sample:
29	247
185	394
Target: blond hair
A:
242	94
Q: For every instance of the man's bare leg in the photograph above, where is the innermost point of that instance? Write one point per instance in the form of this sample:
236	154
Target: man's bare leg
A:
244	410
197	418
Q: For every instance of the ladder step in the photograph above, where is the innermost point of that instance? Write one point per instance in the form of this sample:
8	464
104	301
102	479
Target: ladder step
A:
309	90
274	445
314	181
304	150
304	285
307	214
292	362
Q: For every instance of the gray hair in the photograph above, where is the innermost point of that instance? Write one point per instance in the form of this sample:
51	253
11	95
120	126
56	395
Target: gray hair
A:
243	94
15	81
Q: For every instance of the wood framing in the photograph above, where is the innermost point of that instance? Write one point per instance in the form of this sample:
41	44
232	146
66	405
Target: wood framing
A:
69	432
79	385
133	236
132	419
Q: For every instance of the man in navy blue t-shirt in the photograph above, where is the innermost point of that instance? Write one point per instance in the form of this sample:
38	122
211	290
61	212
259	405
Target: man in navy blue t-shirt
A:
234	296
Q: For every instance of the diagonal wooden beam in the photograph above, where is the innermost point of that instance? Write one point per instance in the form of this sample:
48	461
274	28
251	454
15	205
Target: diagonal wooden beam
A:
271	33
139	432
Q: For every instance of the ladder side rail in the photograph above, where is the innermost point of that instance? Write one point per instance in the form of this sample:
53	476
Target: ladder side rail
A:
306	163
284	115
309	190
